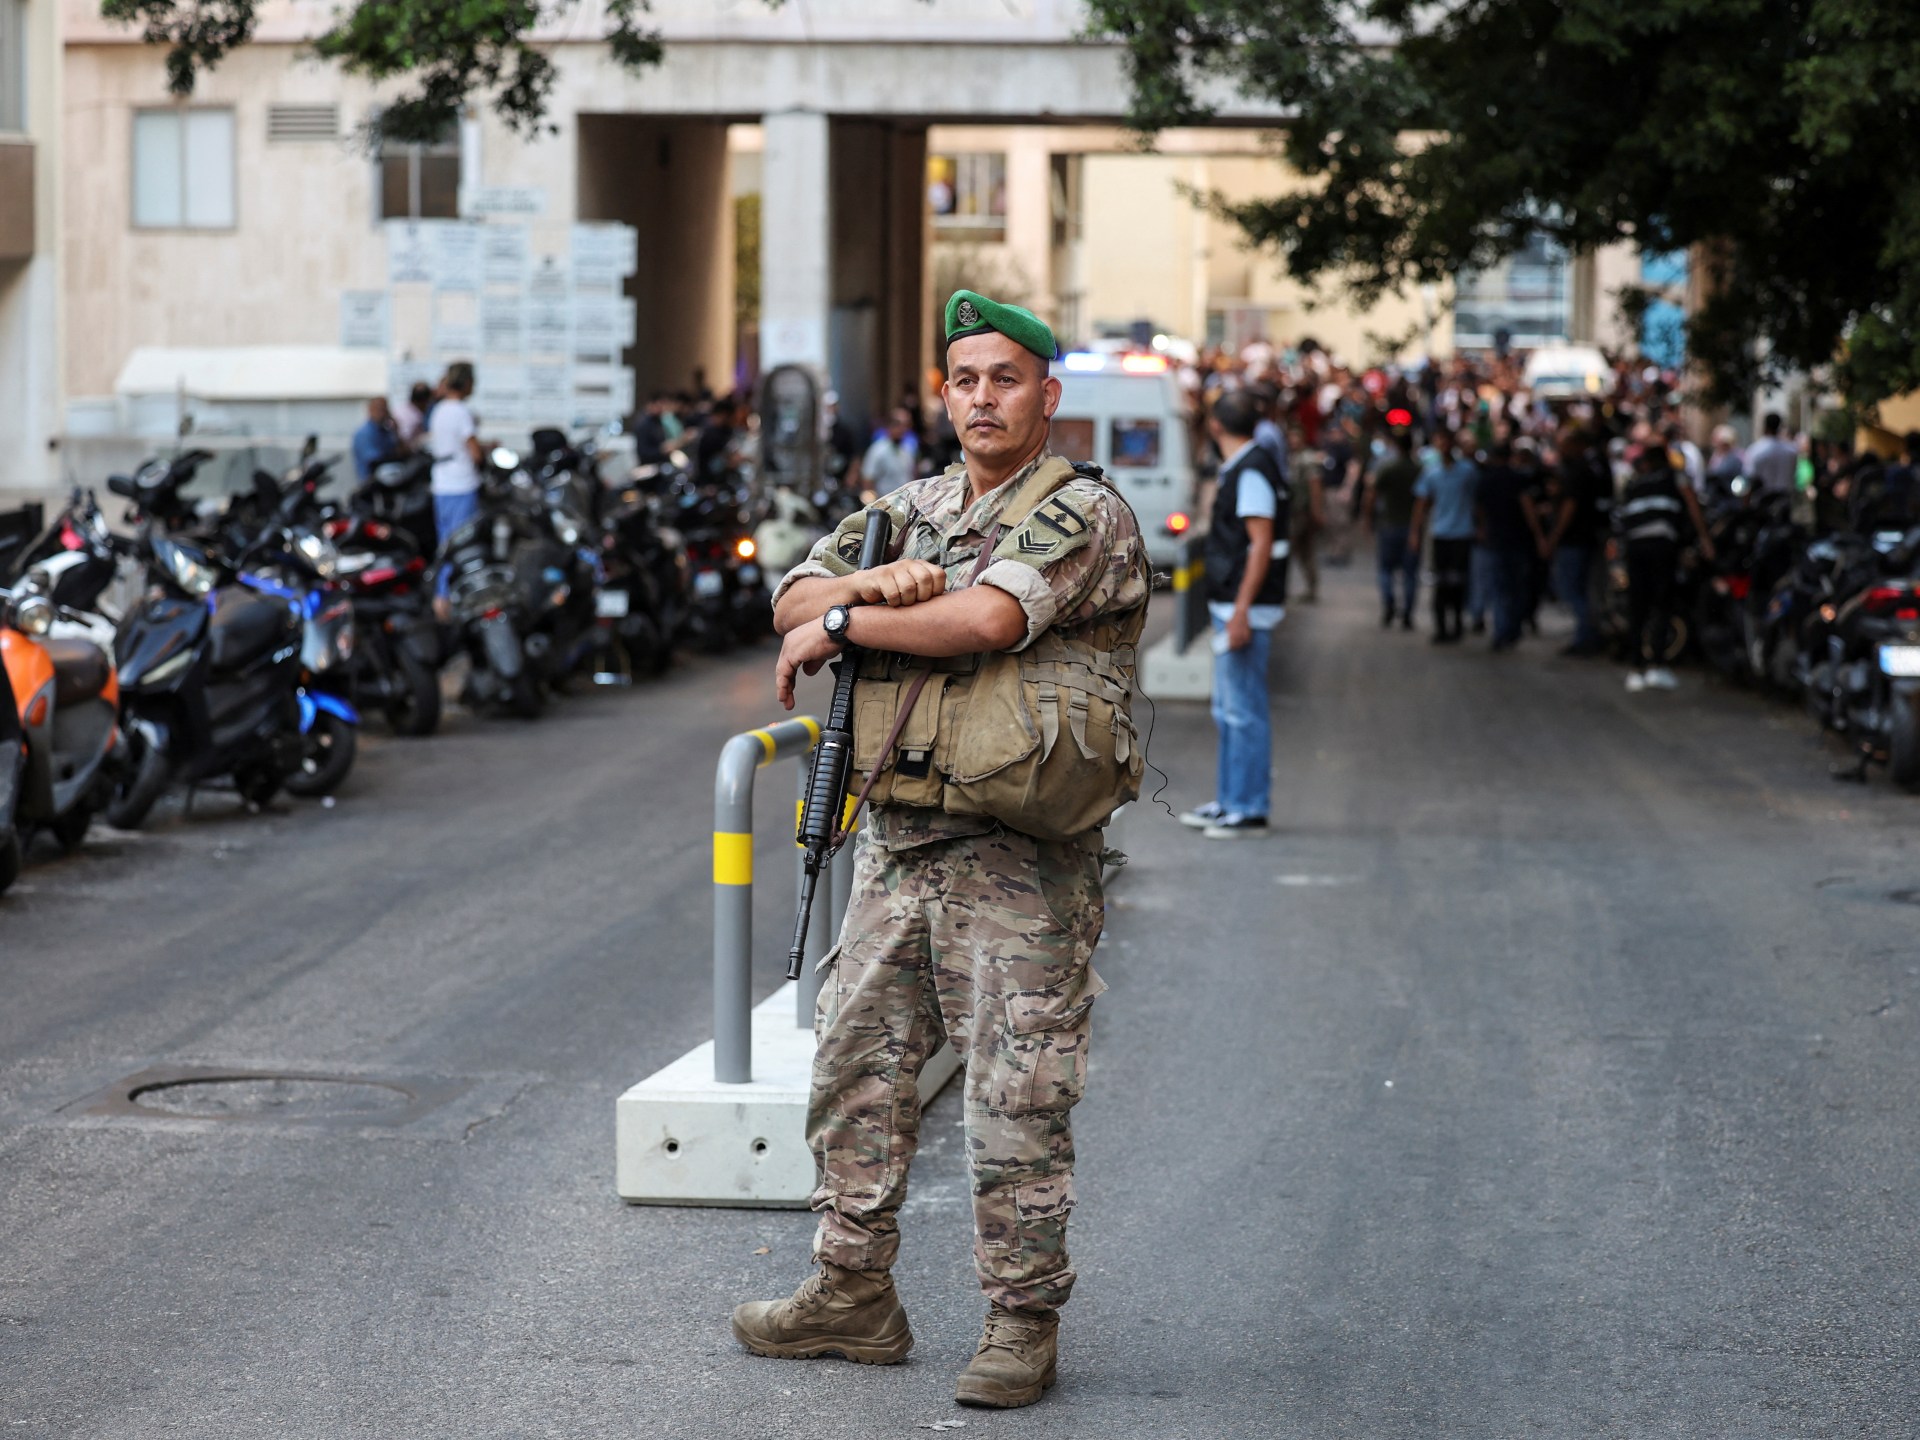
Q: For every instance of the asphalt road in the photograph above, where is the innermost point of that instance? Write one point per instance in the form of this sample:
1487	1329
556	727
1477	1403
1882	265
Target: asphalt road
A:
1550	1072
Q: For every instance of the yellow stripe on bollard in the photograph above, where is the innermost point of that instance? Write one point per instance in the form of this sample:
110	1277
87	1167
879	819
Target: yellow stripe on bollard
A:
800	813
767	743
813	726
732	858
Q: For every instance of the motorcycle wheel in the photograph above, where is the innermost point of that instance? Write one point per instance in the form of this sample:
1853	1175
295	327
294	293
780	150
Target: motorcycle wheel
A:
71	828
327	758
136	792
415	708
1903	760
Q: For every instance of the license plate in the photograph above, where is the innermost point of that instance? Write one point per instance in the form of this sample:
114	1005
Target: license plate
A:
708	583
749	574
611	604
1900	661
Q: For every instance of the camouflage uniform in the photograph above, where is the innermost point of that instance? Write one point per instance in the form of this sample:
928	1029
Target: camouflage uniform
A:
962	931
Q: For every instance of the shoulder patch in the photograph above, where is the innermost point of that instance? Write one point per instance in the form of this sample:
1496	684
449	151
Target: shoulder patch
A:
848	546
1061	525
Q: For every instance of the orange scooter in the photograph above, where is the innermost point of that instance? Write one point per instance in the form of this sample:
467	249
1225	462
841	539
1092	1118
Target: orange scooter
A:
59	729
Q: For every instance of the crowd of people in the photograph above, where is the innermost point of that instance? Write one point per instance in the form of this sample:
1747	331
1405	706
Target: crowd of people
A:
1513	496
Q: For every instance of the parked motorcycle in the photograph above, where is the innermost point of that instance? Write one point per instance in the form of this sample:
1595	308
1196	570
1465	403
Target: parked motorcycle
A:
210	678
63	708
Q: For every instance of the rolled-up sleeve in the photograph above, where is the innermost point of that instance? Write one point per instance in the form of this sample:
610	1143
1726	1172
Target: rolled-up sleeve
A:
807	569
1030	588
1107	572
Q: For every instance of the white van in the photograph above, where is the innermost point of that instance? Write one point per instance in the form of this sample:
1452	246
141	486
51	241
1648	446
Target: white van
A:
1127	415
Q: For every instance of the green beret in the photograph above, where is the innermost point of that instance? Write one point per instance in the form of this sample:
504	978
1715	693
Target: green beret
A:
971	314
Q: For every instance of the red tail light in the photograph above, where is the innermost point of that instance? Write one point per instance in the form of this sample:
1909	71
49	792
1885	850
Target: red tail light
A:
1884	598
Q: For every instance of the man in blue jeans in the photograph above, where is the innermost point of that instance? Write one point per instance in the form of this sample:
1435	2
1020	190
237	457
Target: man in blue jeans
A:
1246	587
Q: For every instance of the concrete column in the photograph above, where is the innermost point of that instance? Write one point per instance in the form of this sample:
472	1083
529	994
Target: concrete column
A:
796	297
909	277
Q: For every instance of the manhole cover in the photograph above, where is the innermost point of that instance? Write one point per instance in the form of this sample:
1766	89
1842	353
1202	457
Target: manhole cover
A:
203	1092
277	1098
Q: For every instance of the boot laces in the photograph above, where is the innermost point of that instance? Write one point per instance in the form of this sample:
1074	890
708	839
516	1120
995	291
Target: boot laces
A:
1009	1330
813	1293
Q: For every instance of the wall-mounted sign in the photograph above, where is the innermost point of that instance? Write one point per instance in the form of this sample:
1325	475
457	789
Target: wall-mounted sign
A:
363	319
486	202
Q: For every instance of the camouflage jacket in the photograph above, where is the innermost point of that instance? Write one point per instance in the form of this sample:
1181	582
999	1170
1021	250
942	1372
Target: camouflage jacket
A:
1083	558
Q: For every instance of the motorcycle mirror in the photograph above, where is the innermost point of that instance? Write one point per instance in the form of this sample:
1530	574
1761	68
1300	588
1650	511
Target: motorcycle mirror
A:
308	449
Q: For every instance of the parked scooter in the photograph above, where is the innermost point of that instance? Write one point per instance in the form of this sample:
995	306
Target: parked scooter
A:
63	701
210	680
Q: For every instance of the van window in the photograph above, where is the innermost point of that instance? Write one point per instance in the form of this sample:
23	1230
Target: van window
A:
1072	439
1136	444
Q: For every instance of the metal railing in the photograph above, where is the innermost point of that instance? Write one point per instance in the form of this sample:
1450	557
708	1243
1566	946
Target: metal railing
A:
741	759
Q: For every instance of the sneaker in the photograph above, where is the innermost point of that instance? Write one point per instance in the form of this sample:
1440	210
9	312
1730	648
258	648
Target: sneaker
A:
1662	679
1636	682
1237	827
1406	621
1386	617
1201	818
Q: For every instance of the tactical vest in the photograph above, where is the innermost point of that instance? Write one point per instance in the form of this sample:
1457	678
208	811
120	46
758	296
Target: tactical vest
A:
1041	739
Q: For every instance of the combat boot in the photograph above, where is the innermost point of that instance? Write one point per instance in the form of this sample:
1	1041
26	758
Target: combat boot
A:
1014	1365
854	1314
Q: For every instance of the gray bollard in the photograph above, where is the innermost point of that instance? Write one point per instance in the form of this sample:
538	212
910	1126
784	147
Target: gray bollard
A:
740	759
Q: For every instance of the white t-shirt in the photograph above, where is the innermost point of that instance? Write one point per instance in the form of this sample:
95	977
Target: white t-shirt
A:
448	431
887	466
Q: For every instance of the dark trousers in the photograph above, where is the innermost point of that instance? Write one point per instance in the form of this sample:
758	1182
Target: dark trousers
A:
1397	560
1512	592
1451	559
1650	567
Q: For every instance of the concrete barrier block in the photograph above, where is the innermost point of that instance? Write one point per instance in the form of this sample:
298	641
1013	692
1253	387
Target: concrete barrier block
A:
683	1138
1167	675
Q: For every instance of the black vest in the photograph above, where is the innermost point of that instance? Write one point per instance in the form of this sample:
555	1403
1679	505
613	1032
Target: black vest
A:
1226	545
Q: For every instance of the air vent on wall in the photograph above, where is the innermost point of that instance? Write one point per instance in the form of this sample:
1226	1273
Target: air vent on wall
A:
291	123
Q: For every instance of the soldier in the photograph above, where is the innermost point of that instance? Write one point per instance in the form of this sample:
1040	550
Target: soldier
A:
1020	583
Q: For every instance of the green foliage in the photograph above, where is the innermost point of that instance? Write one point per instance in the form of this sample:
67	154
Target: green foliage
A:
451	52
1774	135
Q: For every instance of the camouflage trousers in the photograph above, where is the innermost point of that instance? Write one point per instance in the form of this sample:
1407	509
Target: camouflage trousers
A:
981	942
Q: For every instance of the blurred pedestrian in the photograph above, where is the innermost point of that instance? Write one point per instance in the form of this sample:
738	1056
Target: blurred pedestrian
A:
1390	512
376	441
410	414
1771	461
1724	462
1246	580
890	462
1654	510
453	441
1573	535
1444	496
1507	531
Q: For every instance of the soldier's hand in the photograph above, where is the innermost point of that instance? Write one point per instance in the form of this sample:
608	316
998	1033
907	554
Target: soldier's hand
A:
903	582
807	647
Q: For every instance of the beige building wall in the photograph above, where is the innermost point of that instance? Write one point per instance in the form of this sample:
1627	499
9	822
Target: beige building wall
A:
304	231
1146	251
31	320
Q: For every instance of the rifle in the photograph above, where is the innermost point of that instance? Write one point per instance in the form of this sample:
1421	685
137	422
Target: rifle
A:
820	835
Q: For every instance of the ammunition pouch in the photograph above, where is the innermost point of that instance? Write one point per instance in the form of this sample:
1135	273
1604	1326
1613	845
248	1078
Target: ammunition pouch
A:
1041	740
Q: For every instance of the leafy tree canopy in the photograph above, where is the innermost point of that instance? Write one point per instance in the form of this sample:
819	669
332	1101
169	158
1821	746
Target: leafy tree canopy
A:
1775	135
449	52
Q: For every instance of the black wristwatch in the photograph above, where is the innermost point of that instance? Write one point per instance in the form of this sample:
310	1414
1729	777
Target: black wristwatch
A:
835	623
